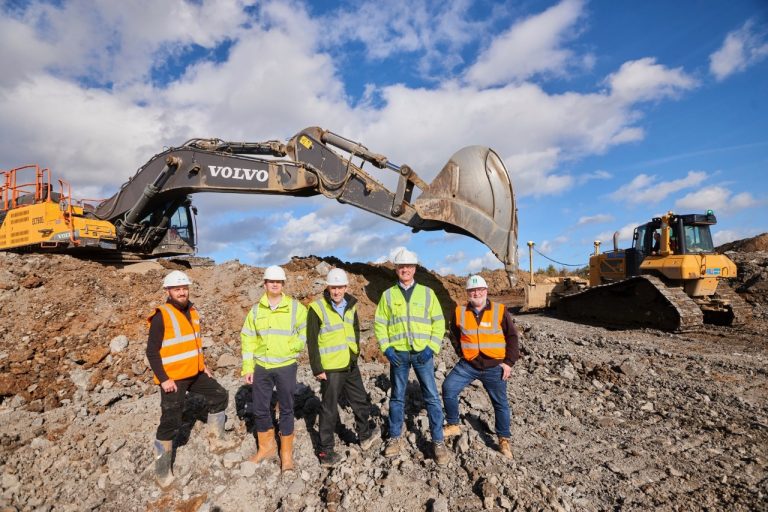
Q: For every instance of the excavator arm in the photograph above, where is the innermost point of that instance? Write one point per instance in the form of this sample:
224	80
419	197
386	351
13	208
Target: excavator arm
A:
471	195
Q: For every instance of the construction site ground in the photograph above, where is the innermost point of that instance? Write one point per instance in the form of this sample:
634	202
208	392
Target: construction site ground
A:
602	419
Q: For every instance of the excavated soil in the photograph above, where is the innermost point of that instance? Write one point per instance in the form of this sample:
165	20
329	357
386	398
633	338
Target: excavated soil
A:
602	419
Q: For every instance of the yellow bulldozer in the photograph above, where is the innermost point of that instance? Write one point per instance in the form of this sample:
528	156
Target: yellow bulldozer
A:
670	279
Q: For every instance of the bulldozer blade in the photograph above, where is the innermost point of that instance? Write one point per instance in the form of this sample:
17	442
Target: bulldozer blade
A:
473	195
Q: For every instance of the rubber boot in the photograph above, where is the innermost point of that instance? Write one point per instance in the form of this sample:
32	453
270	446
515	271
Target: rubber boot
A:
163	461
286	453
267	446
216	439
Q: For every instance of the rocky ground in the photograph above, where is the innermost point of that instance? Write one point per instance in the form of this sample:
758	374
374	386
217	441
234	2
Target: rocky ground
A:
602	419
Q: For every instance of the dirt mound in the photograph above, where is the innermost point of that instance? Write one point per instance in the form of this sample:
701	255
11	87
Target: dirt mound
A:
754	244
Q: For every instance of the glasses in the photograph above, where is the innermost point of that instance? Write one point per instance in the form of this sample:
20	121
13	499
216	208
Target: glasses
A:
477	291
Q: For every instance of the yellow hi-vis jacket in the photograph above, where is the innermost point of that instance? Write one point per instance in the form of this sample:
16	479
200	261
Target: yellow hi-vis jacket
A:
486	337
337	335
273	339
182	348
412	325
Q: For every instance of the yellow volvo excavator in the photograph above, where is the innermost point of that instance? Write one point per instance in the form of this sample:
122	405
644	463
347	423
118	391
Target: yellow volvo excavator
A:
669	279
152	214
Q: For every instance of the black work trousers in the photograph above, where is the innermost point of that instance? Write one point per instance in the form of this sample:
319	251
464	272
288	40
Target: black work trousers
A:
336	383
172	404
284	380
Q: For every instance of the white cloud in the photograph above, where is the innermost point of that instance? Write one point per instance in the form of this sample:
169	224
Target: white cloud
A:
590	176
486	261
594	219
741	48
645	80
723	236
435	31
715	198
280	75
645	189
626	233
531	46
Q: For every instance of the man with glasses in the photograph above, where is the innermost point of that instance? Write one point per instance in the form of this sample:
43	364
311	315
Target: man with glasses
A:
484	337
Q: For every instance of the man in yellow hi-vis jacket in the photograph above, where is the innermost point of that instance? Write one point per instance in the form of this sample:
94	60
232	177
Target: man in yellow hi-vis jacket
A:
273	335
410	326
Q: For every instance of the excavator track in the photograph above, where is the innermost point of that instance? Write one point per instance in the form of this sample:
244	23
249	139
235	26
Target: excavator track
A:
639	301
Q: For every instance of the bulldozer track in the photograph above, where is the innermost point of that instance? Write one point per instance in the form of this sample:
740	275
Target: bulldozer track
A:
640	301
740	310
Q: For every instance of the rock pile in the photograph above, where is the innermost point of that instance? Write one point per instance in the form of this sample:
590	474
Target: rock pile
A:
601	419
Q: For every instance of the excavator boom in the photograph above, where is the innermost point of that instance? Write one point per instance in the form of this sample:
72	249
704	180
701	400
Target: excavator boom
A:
471	195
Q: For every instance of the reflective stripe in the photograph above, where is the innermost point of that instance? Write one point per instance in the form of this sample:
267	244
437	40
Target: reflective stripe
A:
177	337
265	359
333	348
247	356
179	357
280	332
248	332
469	332
483	345
332	328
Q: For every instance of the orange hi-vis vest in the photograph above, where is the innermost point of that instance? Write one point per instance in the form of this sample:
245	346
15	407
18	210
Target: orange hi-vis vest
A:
486	338
182	349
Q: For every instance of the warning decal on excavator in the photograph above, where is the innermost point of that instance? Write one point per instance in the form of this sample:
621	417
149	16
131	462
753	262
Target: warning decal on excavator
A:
305	141
713	271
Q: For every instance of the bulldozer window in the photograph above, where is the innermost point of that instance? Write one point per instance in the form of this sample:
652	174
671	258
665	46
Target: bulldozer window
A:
698	239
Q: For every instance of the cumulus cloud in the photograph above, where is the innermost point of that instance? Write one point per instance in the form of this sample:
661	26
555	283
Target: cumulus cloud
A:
594	219
590	176
486	261
723	236
82	99
715	198
626	233
645	80
531	46
741	48
436	32
645	189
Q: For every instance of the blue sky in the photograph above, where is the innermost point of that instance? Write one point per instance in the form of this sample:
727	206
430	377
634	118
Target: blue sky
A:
605	113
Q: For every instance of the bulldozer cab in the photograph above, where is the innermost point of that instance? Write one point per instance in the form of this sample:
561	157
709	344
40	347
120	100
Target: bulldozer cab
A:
688	234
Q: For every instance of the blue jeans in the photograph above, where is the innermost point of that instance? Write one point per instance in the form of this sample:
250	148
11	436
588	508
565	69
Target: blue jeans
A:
460	377
424	367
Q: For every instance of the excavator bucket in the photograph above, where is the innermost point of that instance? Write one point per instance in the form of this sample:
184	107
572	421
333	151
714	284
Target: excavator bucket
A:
473	195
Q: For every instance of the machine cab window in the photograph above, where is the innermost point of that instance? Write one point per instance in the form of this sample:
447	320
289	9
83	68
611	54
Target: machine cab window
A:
698	239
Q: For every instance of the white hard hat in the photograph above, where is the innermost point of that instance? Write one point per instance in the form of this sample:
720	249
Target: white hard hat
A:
274	273
405	257
337	277
476	282
176	278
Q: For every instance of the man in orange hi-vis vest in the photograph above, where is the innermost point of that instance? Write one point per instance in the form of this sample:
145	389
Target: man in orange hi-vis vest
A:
175	354
484	336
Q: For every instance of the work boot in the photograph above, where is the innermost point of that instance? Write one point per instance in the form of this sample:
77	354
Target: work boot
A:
394	447
329	458
163	461
267	446
367	442
442	457
504	447
452	430
216	439
286	453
